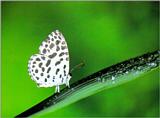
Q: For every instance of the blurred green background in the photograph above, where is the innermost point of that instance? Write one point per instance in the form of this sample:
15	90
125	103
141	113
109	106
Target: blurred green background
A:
100	33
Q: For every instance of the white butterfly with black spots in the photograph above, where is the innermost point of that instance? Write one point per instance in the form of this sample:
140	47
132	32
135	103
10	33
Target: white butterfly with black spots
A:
51	66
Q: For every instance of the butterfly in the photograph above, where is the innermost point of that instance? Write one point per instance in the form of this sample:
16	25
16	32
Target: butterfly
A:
50	67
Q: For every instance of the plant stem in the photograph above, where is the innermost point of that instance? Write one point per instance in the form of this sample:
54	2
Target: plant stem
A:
106	78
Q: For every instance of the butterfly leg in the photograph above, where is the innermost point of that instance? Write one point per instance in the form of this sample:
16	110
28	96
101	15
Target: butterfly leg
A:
58	88
67	83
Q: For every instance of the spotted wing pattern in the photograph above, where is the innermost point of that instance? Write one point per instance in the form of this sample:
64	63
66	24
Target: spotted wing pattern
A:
51	66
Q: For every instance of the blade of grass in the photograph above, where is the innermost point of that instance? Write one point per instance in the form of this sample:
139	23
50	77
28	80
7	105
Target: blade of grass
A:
106	78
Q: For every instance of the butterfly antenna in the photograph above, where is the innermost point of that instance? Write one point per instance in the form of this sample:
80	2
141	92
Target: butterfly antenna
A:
78	66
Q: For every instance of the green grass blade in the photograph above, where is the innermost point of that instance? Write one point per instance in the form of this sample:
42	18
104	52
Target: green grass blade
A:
106	78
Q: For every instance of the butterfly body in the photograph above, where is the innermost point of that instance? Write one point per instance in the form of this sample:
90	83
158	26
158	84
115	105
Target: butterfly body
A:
51	66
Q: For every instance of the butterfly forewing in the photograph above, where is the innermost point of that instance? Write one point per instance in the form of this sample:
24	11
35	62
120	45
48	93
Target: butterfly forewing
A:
51	66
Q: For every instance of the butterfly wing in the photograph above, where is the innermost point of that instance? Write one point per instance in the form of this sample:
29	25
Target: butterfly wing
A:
54	43
54	56
39	70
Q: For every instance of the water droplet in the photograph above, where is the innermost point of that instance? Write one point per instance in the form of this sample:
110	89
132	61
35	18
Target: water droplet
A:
99	79
113	78
149	58
139	68
126	72
142	59
153	64
72	89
